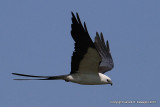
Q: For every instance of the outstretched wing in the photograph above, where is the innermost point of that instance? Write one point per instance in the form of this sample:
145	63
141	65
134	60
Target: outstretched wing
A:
104	51
85	57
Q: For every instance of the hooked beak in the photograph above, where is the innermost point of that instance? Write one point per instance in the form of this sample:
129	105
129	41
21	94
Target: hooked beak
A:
111	84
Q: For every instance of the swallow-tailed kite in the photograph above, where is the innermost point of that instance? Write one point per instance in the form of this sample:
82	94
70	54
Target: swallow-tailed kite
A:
89	60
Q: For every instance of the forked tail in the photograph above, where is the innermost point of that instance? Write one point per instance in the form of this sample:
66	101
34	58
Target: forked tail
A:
60	77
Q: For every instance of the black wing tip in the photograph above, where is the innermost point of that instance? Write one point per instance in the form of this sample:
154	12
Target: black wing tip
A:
107	43
77	14
85	27
101	34
97	34
73	15
102	38
76	18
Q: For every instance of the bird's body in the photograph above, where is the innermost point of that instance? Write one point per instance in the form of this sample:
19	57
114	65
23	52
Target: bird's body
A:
80	78
89	60
88	78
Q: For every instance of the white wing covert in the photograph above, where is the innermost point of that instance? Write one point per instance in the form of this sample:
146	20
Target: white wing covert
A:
104	51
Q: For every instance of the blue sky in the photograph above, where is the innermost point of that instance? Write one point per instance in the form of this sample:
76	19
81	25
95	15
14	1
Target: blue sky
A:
35	39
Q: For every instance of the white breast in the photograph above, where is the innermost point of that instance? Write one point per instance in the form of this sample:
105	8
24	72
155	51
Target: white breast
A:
87	78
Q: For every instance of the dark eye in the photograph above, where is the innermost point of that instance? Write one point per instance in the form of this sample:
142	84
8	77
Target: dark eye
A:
107	80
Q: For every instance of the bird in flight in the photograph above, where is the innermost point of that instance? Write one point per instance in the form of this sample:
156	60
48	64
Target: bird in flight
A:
90	60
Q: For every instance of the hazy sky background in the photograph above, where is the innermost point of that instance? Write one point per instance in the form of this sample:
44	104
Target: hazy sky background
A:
35	39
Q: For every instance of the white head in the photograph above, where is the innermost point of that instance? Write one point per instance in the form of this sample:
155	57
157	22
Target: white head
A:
105	79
